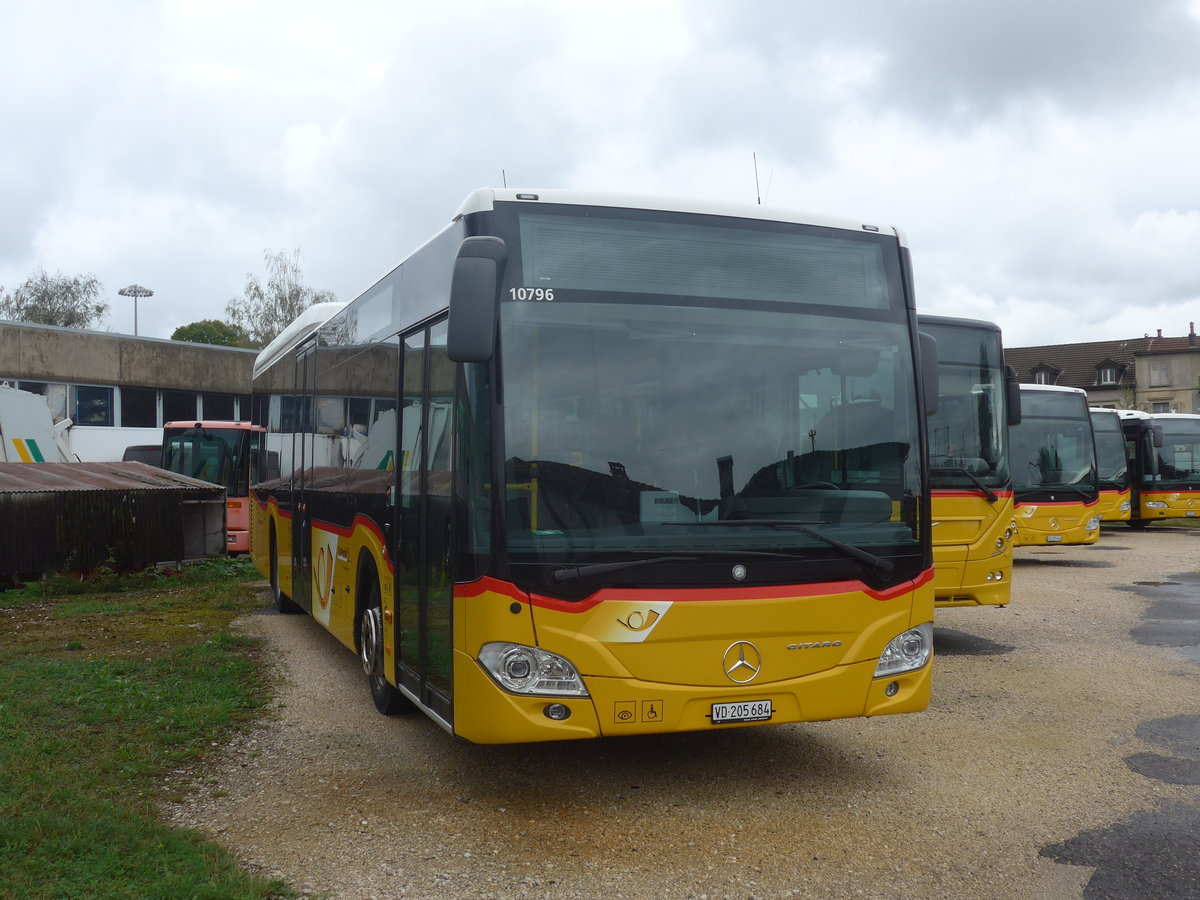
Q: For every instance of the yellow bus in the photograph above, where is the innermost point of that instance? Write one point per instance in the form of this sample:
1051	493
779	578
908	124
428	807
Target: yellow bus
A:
1112	465
969	464
1165	458
1055	488
589	465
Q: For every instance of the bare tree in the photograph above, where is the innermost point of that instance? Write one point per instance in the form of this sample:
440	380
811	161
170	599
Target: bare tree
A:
265	310
69	301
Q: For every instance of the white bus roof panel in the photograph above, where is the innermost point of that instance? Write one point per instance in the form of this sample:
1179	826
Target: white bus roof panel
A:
303	325
484	199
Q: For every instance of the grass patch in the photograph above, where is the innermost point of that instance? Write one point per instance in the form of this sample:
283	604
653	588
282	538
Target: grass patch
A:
102	694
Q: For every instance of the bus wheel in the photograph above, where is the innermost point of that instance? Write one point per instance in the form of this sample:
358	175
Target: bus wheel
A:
1138	524
283	603
388	699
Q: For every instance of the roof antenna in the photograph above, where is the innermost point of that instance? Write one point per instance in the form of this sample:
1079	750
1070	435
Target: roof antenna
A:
757	193
504	177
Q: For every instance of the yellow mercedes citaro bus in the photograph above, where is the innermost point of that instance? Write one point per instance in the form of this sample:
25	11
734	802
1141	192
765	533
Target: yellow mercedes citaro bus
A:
1165	460
592	465
1055	486
1112	465
972	489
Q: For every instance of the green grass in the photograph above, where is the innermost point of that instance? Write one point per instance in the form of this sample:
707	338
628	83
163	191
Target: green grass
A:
101	695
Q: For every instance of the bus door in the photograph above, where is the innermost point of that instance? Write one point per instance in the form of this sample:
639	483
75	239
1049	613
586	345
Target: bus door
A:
302	471
424	588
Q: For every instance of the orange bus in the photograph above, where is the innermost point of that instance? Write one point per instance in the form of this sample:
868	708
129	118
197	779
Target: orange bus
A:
231	454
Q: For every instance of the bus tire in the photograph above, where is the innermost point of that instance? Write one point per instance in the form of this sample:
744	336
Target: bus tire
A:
283	603
1138	524
387	698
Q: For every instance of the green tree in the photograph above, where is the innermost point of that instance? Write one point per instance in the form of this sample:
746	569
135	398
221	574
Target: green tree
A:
265	310
69	301
212	331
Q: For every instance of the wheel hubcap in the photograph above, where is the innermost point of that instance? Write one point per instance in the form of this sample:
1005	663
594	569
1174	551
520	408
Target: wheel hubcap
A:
370	646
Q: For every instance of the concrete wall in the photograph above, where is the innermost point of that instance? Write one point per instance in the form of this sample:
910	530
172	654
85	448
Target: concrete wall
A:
45	353
1183	391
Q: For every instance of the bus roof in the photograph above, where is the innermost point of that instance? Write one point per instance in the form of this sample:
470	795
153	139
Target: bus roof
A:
484	199
303	325
213	423
1059	388
980	324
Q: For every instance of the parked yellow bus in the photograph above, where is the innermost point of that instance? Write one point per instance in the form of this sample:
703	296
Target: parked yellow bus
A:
969	464
1055	489
1112	465
646	467
1165	455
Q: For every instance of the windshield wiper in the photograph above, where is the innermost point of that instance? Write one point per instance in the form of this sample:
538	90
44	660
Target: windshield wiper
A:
1051	488
991	495
883	566
572	573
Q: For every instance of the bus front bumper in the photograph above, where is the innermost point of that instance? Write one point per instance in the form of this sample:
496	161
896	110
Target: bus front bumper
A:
484	713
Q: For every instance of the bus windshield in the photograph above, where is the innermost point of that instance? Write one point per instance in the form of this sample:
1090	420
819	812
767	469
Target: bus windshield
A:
1179	456
1053	447
1110	450
968	436
216	455
638	422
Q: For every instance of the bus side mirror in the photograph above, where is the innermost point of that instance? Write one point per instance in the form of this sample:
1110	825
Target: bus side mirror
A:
1012	395
474	299
929	371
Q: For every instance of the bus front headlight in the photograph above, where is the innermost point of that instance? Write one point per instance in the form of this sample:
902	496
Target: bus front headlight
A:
1092	524
906	652
1156	504
530	670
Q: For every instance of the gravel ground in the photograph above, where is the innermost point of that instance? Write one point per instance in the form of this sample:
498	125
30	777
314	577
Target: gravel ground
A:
1035	711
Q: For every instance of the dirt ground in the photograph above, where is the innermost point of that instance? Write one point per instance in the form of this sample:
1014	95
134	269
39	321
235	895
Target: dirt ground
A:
1045	734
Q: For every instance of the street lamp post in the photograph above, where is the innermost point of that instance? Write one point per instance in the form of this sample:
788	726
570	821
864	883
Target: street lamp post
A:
135	291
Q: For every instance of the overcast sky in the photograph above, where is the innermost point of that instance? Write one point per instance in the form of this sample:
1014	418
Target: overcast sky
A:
1042	156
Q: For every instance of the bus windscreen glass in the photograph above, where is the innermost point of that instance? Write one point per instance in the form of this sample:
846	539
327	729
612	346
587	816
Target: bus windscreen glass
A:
636	428
790	265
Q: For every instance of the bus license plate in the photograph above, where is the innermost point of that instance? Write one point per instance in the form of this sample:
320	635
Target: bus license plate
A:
1054	539
745	711
1189	512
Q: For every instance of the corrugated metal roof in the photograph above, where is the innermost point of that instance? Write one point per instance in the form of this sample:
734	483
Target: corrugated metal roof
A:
33	478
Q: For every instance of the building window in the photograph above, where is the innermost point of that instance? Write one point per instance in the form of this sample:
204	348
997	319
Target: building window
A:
93	406
261	414
218	406
1107	375
1042	377
1160	372
139	407
359	415
1160	406
179	406
55	394
331	415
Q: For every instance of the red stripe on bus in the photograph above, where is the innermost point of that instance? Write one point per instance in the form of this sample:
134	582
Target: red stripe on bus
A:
689	595
967	492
